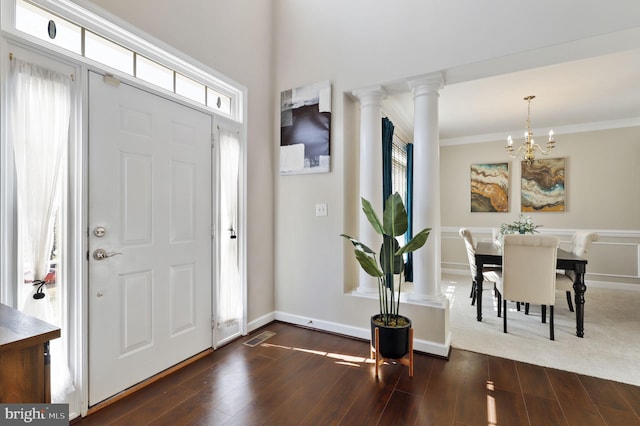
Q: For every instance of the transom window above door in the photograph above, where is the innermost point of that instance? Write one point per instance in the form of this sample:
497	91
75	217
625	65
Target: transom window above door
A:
90	43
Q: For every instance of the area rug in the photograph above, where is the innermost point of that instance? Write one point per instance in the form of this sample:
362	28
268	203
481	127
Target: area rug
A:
610	348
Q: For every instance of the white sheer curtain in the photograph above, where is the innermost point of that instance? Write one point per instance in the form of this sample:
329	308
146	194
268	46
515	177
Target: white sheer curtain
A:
230	290
38	125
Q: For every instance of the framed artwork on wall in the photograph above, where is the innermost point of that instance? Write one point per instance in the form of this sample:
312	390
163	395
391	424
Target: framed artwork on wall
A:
305	129
543	185
490	187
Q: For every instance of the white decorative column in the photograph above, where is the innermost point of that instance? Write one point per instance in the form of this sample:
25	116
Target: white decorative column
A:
370	173
426	193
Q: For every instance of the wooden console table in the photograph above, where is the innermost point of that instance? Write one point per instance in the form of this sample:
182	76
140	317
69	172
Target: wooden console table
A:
24	357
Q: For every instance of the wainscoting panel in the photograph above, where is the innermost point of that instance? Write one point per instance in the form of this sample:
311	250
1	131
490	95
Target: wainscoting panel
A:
615	259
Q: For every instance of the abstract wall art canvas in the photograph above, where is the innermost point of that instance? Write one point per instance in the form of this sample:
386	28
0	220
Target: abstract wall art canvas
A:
490	187
305	129
543	186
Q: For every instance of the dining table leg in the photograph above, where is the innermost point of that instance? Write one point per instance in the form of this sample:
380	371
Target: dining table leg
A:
579	288
478	289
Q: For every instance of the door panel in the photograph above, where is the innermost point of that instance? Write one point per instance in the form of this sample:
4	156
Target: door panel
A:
136	190
150	299
136	311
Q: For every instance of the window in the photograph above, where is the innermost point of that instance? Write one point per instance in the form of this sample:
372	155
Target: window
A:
117	49
48	27
399	168
40	117
190	88
107	52
154	73
218	101
397	171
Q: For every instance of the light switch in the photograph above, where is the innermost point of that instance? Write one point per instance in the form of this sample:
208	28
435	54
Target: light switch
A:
321	209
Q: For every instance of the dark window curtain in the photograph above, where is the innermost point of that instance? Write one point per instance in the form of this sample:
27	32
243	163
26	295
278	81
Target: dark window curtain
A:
387	146
408	270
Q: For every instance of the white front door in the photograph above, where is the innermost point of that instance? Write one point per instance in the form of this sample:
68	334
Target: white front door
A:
150	211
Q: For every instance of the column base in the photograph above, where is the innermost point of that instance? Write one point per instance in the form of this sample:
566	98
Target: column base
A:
435	301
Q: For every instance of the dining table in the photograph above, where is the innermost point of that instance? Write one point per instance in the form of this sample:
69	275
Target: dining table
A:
488	253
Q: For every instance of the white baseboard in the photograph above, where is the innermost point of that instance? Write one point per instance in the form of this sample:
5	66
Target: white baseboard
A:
425	346
360	333
261	322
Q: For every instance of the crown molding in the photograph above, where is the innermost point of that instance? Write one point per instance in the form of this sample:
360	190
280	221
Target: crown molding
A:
568	129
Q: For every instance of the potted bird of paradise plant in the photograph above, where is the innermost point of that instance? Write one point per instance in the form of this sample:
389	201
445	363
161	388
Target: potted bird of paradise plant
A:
386	267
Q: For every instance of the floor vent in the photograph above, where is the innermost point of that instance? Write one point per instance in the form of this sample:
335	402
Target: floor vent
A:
260	338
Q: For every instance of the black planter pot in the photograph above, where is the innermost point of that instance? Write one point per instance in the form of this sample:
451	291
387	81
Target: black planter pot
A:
394	341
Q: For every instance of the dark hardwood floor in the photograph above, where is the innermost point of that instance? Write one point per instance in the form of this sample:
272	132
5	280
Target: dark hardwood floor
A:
303	377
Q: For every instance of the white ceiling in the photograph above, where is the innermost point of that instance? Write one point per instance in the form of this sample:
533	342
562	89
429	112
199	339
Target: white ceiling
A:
569	96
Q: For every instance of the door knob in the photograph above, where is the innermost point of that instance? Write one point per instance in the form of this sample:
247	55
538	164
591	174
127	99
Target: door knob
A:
101	254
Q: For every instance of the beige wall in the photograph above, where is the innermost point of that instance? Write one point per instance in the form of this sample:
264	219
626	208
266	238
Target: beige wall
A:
601	182
602	193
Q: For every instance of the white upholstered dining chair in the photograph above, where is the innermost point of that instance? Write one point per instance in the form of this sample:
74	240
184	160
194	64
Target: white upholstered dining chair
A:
580	246
490	274
528	274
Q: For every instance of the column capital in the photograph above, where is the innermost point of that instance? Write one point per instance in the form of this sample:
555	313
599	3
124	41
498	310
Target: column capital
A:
372	95
425	84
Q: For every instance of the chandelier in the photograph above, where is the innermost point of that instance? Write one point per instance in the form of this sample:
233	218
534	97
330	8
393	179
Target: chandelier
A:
528	145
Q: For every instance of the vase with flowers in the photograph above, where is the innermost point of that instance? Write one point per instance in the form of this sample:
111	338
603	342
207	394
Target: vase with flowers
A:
524	225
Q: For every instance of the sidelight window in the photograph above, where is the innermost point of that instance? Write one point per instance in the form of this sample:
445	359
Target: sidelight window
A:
39	122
